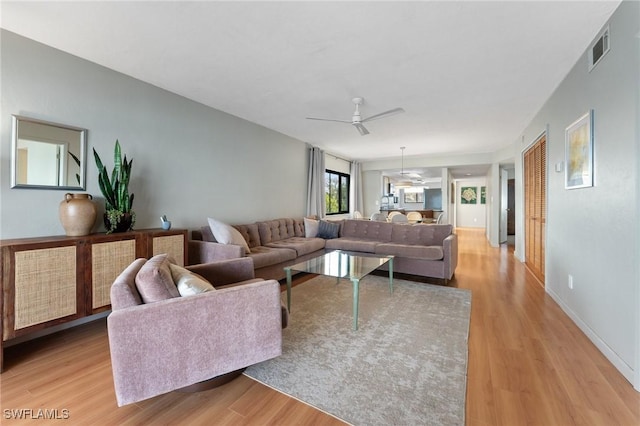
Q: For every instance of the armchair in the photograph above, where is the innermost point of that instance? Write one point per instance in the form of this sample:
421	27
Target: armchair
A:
177	342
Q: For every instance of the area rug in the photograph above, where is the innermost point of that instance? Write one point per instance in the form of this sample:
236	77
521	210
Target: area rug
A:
405	365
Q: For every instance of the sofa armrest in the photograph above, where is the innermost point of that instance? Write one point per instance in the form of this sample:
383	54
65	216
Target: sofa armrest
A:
206	251
164	346
450	248
225	272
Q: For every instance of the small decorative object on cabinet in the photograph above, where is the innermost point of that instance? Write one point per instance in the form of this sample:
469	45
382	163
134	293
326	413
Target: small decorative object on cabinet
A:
166	224
119	216
77	214
48	281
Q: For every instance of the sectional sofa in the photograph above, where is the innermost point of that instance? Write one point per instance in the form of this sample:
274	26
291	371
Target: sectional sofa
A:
422	250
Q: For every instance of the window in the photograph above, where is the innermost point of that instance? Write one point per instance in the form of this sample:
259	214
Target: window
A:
336	192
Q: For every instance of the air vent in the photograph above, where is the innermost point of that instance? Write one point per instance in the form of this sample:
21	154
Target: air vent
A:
599	48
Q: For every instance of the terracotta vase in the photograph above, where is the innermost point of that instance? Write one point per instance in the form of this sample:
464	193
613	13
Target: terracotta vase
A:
77	214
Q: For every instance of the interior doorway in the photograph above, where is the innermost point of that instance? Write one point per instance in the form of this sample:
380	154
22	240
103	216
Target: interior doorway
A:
504	178
511	207
507	205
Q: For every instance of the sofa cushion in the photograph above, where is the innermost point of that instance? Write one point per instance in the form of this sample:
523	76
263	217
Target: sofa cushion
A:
154	281
352	244
420	234
311	227
372	230
441	232
298	227
301	245
250	234
227	234
411	251
328	230
189	283
275	230
206	234
266	256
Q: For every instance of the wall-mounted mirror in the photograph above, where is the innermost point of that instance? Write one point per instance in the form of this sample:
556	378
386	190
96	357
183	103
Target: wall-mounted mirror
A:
47	155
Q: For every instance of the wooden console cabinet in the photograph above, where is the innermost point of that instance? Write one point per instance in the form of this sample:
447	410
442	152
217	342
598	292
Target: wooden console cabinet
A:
48	281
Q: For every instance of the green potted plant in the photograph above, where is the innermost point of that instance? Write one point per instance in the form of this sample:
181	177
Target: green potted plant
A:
118	216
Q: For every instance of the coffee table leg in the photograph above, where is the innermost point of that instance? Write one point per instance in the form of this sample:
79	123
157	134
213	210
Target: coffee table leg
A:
288	272
391	275
356	290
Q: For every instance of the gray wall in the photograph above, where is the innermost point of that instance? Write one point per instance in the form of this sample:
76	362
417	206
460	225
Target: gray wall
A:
593	233
190	161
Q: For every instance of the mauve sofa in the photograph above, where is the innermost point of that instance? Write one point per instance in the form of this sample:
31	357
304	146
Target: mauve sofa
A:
274	244
180	341
423	250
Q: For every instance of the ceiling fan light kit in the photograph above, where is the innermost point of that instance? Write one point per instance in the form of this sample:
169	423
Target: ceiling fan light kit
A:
356	119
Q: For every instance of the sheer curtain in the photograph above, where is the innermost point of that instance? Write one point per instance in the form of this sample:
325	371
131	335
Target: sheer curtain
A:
315	183
357	203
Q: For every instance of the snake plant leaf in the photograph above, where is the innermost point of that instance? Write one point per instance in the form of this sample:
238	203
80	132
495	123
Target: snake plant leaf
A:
117	159
98	161
116	189
105	188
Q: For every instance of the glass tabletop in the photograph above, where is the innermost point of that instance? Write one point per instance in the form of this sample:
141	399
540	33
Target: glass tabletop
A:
342	264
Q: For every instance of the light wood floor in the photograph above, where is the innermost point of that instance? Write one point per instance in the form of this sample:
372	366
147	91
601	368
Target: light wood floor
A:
528	365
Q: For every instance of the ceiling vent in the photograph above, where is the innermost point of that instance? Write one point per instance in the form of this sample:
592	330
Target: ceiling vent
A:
599	48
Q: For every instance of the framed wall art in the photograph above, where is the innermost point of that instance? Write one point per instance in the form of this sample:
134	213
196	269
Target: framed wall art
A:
483	195
579	153
469	195
413	197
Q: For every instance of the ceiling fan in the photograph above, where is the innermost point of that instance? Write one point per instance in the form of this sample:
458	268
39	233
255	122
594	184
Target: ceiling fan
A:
357	120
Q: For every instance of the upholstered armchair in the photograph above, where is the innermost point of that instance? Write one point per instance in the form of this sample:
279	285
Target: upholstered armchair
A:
161	341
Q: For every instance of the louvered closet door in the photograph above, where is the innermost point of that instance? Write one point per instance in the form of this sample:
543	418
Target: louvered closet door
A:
535	190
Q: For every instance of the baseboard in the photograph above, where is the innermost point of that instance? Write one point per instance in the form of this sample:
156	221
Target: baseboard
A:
517	255
609	353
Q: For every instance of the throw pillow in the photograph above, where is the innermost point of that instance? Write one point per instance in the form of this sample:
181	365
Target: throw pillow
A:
311	227
226	234
154	281
189	283
328	230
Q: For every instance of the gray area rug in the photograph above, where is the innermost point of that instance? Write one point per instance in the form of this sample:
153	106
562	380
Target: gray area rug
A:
405	365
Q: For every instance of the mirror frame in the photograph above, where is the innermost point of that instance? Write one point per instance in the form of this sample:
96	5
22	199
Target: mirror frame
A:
15	128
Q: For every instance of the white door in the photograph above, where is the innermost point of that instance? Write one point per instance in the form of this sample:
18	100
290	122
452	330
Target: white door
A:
504	204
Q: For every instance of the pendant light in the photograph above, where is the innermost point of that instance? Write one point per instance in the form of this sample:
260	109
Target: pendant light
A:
403	183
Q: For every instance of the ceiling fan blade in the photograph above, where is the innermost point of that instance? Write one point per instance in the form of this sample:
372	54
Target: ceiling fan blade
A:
328	119
363	130
384	114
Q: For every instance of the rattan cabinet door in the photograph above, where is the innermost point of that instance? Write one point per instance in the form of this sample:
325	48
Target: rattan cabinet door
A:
108	260
171	244
45	285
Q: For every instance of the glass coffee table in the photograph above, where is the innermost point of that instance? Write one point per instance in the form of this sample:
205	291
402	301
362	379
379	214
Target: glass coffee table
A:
342	264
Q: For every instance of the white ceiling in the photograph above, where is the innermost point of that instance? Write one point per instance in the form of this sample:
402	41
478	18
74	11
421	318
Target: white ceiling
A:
470	75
